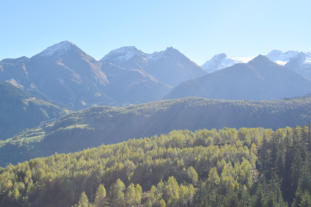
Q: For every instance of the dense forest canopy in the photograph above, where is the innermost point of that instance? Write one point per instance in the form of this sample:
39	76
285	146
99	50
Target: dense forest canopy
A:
246	167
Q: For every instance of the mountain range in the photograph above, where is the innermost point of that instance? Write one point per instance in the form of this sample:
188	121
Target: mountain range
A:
259	79
300	62
65	75
68	77
221	61
182	168
169	67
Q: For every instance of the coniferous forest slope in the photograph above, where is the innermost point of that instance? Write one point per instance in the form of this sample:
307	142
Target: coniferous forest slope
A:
106	125
242	168
20	110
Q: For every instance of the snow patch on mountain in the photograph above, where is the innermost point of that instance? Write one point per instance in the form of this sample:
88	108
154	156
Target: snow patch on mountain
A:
13	82
243	59
280	62
221	61
218	62
285	57
59	49
308	60
158	55
123	54
277	55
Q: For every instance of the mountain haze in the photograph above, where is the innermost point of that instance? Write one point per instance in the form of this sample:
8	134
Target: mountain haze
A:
67	76
296	60
170	67
218	62
131	86
20	110
259	79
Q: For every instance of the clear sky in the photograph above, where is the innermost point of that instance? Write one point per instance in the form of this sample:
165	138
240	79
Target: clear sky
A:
198	28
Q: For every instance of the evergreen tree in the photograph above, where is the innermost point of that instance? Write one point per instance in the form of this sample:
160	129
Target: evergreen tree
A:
117	194
84	201
100	197
193	175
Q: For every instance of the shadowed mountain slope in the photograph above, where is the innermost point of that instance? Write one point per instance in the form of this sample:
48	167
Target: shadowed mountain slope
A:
20	110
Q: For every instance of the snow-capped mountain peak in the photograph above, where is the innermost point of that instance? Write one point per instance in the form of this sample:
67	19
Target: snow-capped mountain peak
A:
221	61
280	62
243	59
282	58
123	54
59	49
218	62
308	60
169	51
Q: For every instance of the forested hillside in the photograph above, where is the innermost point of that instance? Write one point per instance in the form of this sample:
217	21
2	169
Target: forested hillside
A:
106	125
246	167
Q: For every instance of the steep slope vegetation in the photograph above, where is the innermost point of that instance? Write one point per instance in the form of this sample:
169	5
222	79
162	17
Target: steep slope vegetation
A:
106	125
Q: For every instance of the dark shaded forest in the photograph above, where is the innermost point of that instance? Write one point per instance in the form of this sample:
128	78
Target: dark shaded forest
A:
229	168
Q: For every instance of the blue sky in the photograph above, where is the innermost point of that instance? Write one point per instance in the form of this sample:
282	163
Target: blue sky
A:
198	28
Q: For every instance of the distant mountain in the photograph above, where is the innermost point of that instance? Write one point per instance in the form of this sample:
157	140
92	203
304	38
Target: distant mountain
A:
92	82
259	79
301	64
132	86
126	57
172	67
169	67
218	62
221	61
67	76
62	73
105	125
283	58
20	110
